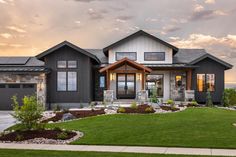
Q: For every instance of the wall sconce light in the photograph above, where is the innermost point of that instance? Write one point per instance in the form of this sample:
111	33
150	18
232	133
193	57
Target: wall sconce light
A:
139	77
112	76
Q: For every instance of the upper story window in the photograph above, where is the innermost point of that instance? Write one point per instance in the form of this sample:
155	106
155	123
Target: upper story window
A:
61	64
205	82
67	64
72	64
154	56
129	55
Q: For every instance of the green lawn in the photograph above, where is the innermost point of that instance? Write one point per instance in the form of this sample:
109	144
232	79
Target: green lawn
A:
39	153
195	127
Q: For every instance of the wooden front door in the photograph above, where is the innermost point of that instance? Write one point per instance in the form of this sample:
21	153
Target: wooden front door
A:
125	86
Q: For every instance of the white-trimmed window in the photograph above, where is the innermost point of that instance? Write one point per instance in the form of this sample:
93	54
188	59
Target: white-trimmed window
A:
61	64
129	55
72	81
154	56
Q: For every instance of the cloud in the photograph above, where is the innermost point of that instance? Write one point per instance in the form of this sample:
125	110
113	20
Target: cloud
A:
88	1
151	19
206	14
17	29
96	15
2	1
169	29
6	35
210	1
198	8
202	41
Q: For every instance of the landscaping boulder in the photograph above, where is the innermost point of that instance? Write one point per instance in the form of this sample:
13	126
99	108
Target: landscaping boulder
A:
67	116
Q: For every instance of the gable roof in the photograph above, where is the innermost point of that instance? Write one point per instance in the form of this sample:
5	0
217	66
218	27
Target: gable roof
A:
138	33
227	65
193	56
99	54
66	43
125	60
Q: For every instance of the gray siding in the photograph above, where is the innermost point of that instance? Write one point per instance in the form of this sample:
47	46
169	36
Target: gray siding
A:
208	66
84	85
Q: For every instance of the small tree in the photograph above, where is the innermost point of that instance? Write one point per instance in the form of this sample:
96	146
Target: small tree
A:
209	102
225	101
154	95
29	113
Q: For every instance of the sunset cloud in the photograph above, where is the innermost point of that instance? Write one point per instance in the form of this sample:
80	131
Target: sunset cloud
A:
6	35
210	1
17	29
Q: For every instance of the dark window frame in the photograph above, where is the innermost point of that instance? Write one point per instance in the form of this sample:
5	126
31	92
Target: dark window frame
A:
128	58
12	85
2	86
72	61
61	67
66	71
100	81
205	89
146	53
28	86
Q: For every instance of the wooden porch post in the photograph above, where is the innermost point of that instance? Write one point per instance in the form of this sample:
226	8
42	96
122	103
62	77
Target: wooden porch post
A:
108	79
189	79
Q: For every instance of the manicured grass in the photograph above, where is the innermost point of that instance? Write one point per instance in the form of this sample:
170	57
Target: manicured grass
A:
194	127
39	153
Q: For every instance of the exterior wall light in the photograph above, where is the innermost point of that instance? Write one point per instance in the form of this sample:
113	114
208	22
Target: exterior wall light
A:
139	77
112	76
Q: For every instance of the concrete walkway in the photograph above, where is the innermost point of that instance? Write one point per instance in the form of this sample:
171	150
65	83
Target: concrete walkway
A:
6	120
124	149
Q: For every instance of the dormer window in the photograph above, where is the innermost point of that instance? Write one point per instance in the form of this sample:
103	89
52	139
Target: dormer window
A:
129	55
154	56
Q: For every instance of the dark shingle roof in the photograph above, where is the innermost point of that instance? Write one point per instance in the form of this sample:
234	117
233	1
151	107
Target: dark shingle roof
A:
188	55
99	54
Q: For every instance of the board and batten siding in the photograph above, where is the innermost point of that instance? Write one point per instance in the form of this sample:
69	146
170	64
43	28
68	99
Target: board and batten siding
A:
141	44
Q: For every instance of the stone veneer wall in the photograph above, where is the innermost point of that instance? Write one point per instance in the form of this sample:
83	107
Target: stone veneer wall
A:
177	93
39	79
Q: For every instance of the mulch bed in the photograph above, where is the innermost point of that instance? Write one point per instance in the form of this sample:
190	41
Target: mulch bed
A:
31	134
139	109
77	114
192	105
169	108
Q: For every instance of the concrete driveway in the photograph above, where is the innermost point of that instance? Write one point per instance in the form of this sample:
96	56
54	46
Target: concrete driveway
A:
6	120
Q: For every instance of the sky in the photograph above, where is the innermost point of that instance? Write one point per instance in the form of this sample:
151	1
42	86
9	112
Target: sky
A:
28	27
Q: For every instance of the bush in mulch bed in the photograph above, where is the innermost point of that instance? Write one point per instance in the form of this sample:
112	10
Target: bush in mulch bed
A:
31	134
193	104
169	108
139	109
76	114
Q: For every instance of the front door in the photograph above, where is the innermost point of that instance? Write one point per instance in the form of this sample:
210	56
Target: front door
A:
126	86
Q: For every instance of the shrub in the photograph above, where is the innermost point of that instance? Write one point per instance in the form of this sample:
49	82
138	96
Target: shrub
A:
170	102
225	99
194	103
153	96
56	108
57	129
81	105
62	135
209	102
134	105
149	109
19	137
29	114
121	110
231	96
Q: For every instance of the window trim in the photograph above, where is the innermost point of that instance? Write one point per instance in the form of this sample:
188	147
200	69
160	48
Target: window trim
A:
145	56
57	82
213	84
127	52
100	81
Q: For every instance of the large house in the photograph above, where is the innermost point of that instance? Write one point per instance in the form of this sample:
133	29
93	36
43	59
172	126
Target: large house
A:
69	75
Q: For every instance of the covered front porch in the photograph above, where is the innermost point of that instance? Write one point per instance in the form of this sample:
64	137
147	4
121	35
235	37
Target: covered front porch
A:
126	79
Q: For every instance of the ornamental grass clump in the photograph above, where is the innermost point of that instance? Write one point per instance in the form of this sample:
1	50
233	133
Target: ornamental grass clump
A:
29	114
134	105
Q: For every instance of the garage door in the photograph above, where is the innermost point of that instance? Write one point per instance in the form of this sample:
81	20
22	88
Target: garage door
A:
8	90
